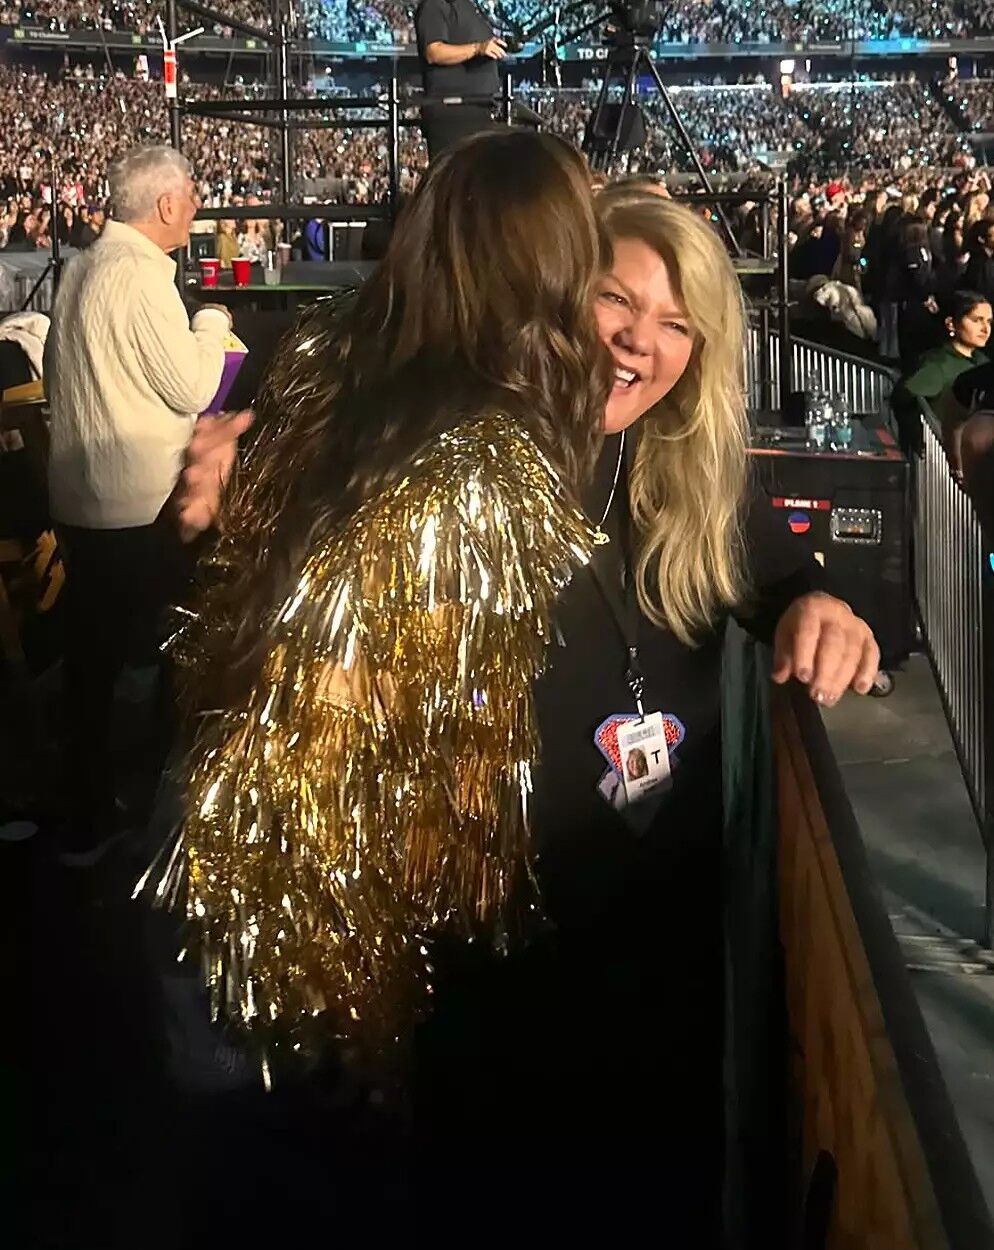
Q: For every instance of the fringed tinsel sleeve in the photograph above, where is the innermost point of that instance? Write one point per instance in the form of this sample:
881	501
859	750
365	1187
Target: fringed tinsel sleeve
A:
375	785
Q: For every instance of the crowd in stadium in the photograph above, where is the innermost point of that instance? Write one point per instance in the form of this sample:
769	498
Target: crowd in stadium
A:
90	120
972	97
818	132
686	21
853	126
857	153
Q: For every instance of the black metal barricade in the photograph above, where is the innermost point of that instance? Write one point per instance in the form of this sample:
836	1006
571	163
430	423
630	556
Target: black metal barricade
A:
839	1127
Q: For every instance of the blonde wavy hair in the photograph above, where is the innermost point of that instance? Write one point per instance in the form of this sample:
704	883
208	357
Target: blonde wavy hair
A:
689	479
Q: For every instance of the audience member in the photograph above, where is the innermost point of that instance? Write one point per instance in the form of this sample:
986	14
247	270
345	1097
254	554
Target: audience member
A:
979	272
849	264
126	374
226	247
915	288
91	227
968	327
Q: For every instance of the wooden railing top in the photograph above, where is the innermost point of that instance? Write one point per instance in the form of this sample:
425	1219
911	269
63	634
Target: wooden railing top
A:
945	1201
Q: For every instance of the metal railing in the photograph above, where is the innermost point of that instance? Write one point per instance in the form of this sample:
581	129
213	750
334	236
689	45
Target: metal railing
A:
953	565
954	593
865	384
20	289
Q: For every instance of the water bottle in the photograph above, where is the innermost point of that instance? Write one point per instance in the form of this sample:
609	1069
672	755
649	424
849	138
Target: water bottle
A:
841	432
815	420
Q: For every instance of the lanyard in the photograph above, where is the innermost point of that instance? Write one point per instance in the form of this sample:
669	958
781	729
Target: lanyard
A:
617	588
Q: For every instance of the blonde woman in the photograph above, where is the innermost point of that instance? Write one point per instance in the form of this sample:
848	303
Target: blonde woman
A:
256	241
226	242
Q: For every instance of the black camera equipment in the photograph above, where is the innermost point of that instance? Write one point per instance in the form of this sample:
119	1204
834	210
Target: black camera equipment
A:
617	123
55	261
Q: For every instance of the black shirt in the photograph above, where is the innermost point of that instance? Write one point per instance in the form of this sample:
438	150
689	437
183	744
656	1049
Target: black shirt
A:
979	273
592	862
974	389
456	22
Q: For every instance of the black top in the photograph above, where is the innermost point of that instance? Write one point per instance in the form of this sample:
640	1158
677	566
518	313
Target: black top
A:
979	274
456	22
974	389
592	860
917	281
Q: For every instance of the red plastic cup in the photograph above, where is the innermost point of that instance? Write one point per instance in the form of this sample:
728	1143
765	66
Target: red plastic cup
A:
242	269
208	271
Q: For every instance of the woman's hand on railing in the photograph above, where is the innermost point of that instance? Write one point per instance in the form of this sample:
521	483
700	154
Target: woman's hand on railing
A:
821	643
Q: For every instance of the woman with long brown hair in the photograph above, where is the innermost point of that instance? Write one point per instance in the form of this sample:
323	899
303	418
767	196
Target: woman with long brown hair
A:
391	571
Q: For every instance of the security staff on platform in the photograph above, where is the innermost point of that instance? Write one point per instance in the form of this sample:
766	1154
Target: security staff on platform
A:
459	54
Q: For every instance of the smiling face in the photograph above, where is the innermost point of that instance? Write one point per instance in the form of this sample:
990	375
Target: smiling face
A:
643	323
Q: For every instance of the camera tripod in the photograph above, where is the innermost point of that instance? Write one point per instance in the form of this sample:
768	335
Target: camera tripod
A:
55	261
612	123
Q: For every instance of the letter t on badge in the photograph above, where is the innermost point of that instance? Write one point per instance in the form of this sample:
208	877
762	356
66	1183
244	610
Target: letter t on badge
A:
645	757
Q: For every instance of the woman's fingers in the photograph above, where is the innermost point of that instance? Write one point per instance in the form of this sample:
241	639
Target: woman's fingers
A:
820	642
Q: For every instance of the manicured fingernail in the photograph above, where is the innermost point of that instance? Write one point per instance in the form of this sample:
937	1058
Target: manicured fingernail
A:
864	687
819	697
804	674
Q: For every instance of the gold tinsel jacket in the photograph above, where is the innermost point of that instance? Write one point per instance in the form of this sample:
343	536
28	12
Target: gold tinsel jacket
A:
374	786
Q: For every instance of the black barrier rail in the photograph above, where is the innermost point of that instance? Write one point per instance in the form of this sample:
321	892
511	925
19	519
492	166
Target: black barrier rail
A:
819	1003
954	590
295	212
755	1192
870	1093
222	108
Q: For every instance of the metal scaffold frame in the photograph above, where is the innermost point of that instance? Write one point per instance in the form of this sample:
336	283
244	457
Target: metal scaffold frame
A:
279	113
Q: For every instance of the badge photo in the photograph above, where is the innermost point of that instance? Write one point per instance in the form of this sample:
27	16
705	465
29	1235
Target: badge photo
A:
644	756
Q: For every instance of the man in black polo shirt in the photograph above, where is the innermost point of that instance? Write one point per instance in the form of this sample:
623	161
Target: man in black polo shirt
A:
459	56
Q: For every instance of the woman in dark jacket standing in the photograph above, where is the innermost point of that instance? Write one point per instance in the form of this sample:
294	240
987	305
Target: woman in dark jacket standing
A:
915	284
881	250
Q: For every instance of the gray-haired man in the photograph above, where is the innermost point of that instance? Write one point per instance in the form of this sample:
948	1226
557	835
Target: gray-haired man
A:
126	374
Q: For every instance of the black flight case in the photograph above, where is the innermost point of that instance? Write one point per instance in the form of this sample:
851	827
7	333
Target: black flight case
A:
853	507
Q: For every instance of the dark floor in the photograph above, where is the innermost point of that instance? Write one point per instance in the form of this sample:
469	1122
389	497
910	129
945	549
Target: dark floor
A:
110	1149
104	1151
904	782
108	1153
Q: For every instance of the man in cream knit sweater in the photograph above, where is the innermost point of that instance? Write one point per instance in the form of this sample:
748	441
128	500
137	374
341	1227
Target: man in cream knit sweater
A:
126	374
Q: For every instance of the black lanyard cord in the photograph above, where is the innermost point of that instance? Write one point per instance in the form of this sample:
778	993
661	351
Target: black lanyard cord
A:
616	584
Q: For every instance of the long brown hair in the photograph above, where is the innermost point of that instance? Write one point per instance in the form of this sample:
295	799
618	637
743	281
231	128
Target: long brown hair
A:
483	302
